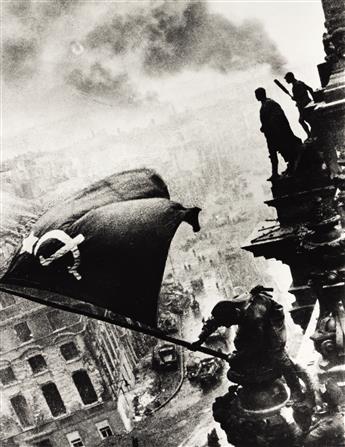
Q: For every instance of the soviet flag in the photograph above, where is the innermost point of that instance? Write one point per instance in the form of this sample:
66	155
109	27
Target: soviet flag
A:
106	247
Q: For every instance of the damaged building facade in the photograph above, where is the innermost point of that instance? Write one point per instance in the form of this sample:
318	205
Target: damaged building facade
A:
309	233
64	379
308	236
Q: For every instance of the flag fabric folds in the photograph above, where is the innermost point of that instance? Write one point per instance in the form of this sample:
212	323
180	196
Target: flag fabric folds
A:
106	246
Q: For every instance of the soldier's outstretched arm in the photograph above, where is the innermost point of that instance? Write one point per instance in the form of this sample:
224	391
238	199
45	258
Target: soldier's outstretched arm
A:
208	328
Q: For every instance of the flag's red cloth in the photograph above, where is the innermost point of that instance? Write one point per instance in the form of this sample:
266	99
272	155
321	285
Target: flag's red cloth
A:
106	246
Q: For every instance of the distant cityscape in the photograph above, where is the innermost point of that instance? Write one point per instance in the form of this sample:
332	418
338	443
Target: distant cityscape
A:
65	379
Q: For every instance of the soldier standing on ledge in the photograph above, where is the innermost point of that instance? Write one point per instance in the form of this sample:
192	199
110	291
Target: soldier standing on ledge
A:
302	94
280	138
261	335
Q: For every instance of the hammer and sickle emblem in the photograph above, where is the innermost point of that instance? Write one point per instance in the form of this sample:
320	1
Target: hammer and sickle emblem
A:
70	245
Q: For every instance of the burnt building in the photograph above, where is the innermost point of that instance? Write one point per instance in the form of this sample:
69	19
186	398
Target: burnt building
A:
309	233
64	379
308	236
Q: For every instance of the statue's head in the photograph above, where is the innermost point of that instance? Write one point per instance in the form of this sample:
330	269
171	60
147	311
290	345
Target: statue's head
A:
289	77
228	313
260	94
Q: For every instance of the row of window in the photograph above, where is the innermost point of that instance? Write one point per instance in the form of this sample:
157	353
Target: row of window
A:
6	301
56	320
53	398
75	440
37	363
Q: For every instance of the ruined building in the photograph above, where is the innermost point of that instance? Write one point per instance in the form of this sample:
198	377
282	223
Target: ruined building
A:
308	236
64	379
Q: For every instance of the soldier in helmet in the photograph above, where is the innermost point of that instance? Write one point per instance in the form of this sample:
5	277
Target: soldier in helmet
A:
261	332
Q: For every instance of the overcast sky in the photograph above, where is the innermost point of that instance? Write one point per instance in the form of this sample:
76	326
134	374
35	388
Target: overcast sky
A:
295	26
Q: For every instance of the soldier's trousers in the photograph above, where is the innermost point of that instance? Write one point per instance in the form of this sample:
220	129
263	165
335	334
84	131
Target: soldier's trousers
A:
274	160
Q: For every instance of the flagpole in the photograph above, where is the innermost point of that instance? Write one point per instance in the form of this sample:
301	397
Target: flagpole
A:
177	341
121	321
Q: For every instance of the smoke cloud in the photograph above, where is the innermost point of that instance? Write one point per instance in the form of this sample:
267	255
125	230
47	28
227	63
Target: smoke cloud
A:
103	48
18	57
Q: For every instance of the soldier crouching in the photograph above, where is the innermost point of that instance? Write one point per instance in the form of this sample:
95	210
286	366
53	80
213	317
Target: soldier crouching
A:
260	340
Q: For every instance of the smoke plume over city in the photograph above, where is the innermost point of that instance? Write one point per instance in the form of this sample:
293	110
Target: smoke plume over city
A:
107	49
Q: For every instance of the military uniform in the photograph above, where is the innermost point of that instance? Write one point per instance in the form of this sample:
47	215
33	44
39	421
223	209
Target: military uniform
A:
301	93
261	334
279	136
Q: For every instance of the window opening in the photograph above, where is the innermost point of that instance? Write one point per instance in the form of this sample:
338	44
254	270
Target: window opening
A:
44	443
7	375
22	410
56	319
53	399
104	429
74	439
23	331
84	386
6	301
69	351
37	363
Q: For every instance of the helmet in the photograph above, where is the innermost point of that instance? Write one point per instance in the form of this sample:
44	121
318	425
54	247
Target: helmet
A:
261	290
224	311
